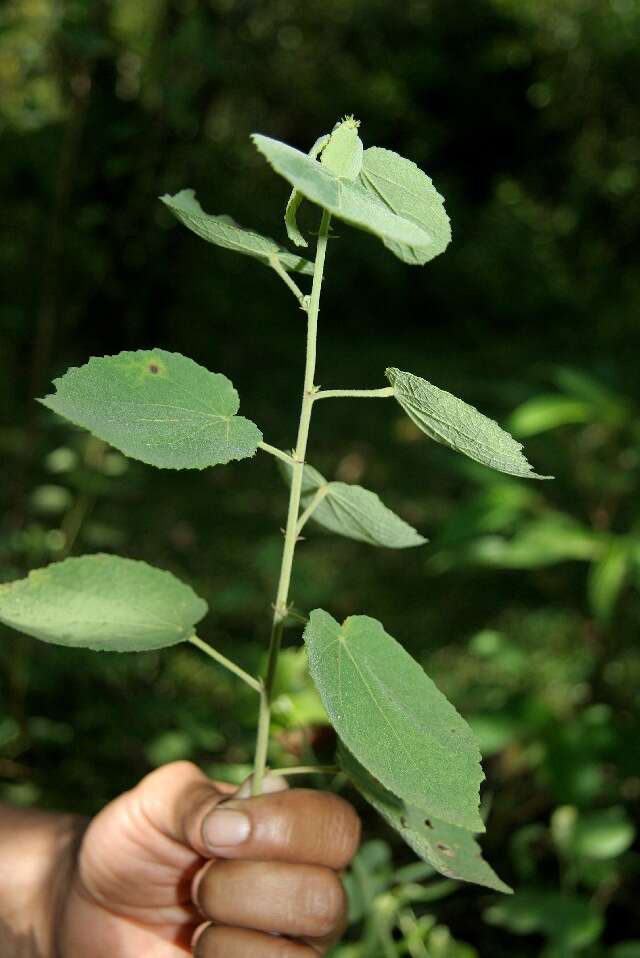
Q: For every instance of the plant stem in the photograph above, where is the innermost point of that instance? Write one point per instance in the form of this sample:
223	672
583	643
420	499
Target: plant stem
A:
221	659
354	393
311	508
291	533
278	453
277	266
306	770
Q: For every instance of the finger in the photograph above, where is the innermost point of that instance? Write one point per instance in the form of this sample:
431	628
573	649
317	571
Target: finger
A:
222	942
299	825
177	798
270	784
295	900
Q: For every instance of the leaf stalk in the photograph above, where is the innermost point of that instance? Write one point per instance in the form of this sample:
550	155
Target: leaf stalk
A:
382	393
221	659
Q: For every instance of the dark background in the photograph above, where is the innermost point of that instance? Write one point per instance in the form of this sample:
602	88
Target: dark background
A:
524	606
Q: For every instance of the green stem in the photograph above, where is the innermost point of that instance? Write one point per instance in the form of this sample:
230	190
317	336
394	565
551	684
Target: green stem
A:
291	533
311	508
306	770
221	659
354	393
278	453
277	266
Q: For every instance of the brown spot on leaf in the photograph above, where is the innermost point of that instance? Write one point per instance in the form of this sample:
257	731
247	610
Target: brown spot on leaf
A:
428	823
154	368
445	849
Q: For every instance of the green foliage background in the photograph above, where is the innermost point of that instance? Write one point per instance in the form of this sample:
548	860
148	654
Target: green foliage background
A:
524	607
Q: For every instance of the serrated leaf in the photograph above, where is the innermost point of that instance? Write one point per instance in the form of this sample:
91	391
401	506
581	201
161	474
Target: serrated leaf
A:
454	423
293	204
158	407
346	199
102	602
393	719
343	153
222	231
409	192
452	851
354	512
357	513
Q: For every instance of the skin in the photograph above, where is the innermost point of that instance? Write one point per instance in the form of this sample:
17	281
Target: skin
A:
143	878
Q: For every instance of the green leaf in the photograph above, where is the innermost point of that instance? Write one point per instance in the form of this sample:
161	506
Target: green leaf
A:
571	923
604	834
159	407
346	199
102	602
551	538
291	212
607	578
342	155
409	192
351	511
452	851
454	423
542	413
222	231
356	513
393	719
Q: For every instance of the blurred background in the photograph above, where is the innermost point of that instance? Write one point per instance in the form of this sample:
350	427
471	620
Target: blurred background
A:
524	607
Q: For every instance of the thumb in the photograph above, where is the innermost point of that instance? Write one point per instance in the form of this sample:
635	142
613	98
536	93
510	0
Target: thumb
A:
177	798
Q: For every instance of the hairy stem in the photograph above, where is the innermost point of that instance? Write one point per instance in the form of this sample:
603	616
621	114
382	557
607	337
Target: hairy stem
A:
291	531
354	393
278	453
221	659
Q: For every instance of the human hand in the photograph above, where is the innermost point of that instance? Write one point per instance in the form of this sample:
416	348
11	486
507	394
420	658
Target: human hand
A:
181	862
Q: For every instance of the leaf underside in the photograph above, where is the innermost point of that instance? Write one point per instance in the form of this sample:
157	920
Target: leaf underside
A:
158	407
223	231
409	192
293	204
354	512
454	423
346	199
393	719
452	851
102	602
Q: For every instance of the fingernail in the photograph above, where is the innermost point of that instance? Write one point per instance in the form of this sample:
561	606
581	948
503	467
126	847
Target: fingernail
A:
224	827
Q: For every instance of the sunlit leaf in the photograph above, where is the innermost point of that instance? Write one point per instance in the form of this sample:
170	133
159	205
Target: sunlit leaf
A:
296	198
393	719
607	578
102	602
542	413
159	407
452	851
603	834
342	155
346	199
356	513
409	192
222	231
454	423
554	537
